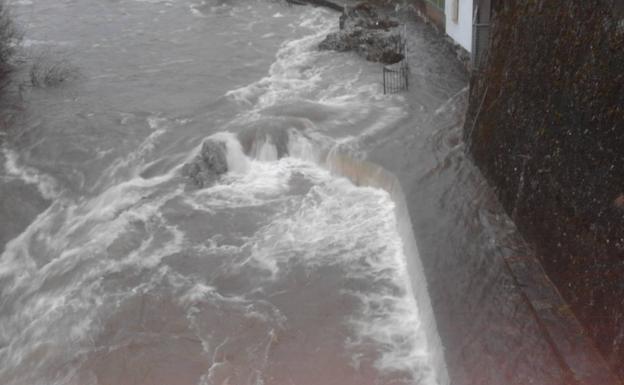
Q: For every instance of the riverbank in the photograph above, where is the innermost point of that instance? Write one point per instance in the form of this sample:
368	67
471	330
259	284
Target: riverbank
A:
492	301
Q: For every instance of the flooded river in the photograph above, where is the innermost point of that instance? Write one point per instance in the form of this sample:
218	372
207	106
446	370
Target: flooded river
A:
116	270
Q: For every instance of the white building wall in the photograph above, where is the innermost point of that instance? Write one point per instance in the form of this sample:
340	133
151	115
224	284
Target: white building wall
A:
460	30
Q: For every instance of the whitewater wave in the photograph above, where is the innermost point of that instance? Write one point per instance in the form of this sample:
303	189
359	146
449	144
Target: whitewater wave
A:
277	268
287	213
46	184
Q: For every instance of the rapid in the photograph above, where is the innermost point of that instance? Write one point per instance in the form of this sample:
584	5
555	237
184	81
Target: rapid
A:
280	272
351	241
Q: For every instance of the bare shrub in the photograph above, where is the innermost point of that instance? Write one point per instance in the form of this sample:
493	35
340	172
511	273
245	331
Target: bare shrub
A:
9	39
47	71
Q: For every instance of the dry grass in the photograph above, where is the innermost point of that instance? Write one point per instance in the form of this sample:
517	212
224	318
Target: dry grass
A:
47	71
9	38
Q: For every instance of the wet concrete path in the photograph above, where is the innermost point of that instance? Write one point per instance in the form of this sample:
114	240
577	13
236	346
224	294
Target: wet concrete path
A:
500	319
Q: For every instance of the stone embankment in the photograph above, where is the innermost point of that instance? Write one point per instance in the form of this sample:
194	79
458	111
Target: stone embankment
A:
364	30
546	126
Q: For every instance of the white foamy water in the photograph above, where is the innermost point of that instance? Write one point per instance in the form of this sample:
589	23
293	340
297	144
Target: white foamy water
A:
46	185
277	272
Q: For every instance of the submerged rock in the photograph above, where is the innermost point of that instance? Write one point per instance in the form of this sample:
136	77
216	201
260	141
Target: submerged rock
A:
364	31
363	15
208	165
322	3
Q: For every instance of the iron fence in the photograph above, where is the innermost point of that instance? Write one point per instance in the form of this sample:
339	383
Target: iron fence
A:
396	76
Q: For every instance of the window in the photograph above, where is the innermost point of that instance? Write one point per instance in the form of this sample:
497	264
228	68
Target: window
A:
455	11
437	3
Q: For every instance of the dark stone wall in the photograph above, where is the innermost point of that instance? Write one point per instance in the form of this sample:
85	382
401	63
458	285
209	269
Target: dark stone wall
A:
546	127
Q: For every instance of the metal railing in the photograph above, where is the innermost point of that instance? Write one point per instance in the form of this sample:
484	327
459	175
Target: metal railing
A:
480	45
396	76
480	35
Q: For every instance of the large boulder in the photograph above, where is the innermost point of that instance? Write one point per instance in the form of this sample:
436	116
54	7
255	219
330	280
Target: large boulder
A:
208	165
365	31
364	15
